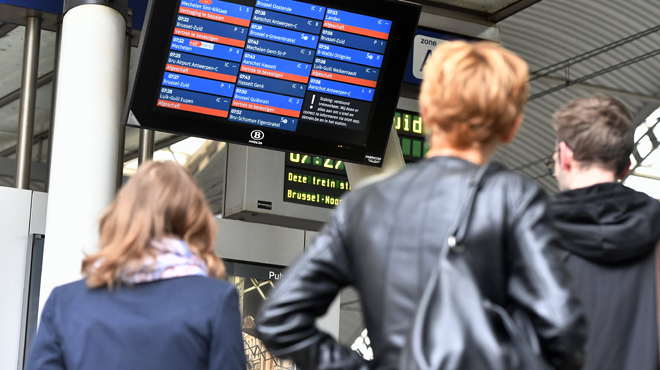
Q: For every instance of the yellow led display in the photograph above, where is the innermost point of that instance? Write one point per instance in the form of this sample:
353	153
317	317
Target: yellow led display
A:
320	181
406	123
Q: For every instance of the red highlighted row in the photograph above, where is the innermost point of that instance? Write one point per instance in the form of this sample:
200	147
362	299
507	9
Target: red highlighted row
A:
193	108
214	16
265	108
274	74
200	73
209	37
343	78
357	30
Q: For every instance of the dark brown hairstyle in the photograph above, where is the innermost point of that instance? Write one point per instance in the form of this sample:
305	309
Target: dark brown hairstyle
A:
161	200
599	131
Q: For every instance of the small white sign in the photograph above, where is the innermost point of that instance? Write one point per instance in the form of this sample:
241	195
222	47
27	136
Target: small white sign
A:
422	48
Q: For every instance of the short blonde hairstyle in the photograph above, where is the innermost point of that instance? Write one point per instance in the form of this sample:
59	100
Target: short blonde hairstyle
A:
473	91
160	200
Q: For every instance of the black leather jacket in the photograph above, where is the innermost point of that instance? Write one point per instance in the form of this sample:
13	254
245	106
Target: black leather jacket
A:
385	240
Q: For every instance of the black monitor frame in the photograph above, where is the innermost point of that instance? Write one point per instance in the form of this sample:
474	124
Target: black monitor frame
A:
363	147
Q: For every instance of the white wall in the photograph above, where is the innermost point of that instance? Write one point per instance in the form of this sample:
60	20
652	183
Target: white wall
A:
15	211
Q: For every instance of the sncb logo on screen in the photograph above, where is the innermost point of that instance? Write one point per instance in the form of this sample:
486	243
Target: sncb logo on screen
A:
257	135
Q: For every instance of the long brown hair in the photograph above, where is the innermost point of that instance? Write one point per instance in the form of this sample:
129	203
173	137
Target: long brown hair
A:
161	200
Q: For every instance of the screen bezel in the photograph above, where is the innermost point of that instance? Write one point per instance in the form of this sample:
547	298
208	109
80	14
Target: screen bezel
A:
154	48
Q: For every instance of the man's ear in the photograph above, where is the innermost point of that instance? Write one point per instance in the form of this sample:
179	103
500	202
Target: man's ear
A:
508	136
565	156
625	171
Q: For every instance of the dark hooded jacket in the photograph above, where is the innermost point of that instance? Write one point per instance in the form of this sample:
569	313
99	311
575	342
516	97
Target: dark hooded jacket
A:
609	233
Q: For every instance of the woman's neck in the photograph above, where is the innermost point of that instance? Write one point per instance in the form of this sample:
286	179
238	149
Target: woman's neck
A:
476	154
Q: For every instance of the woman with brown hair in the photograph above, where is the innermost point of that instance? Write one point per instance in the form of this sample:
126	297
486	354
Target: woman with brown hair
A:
151	297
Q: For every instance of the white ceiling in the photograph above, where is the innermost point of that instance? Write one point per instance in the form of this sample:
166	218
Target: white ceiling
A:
552	31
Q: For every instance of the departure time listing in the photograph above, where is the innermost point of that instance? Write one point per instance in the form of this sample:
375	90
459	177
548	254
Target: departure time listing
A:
272	63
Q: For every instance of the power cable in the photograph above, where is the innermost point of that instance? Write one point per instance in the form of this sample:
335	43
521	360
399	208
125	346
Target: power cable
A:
540	176
530	164
595	74
543	72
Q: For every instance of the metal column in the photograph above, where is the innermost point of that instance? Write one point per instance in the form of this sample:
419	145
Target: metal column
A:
122	127
28	101
146	148
53	104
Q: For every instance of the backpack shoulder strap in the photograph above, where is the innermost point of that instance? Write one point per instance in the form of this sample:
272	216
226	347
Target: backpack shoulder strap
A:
462	222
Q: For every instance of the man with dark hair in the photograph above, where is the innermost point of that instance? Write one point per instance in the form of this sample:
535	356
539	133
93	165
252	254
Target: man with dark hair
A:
610	233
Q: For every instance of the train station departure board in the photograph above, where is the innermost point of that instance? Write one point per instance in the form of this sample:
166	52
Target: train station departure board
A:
319	77
321	181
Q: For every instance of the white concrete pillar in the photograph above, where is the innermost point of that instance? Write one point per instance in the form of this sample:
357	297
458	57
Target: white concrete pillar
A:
86	135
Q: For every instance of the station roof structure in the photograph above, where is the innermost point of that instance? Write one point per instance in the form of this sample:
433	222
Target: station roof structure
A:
574	49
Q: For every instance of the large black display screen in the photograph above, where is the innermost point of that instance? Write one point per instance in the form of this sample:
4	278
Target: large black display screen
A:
312	77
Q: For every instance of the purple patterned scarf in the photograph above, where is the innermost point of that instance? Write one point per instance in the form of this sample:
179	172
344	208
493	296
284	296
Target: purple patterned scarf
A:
173	259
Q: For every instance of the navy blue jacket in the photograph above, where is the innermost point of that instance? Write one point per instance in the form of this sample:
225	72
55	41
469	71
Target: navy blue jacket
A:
182	323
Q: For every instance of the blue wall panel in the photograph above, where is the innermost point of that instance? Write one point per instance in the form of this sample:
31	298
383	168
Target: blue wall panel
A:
55	6
50	6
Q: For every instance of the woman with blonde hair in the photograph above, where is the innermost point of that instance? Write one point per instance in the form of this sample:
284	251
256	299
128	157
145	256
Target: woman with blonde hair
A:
387	238
151	297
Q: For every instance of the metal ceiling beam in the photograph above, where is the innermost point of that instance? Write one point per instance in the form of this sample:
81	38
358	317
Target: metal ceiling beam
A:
5	28
158	145
601	72
511	10
601	89
653	139
35	140
16	94
18	15
644	175
645	112
7	132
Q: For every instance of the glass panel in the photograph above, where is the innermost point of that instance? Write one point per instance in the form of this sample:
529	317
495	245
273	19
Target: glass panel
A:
253	289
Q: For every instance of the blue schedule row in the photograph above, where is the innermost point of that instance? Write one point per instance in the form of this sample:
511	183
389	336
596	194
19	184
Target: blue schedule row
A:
353	41
287	21
193	98
268	99
358	20
271	85
284	36
212	28
276	49
220	7
198	84
350	55
263	119
208	49
341	89
347	69
293	7
276	64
